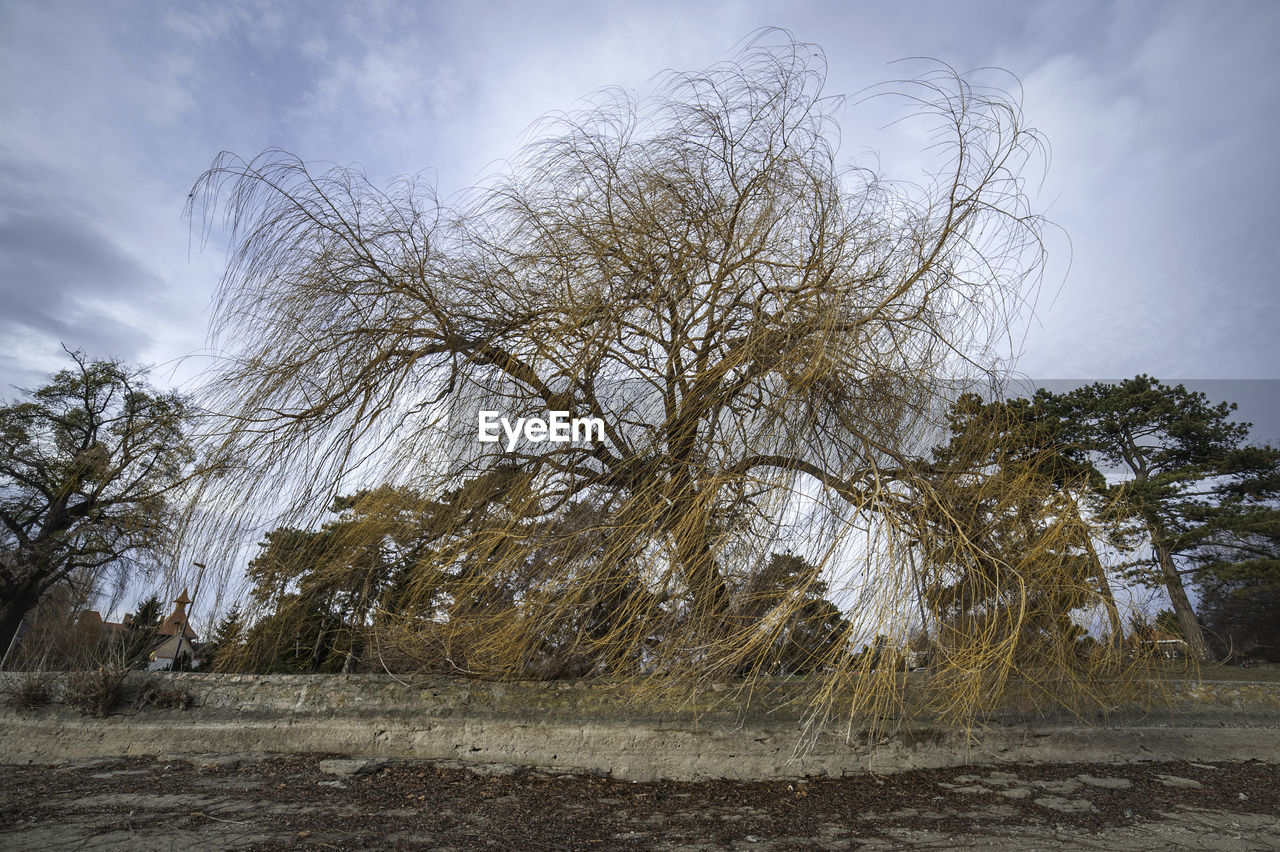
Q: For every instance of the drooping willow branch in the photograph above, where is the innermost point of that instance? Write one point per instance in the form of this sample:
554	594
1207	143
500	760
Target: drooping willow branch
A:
771	341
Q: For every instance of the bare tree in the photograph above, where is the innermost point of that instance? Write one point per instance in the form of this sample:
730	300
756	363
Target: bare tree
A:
764	334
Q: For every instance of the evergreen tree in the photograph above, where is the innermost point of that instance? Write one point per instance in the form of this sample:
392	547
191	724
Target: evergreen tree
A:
140	635
219	653
1021	446
319	588
788	601
1193	487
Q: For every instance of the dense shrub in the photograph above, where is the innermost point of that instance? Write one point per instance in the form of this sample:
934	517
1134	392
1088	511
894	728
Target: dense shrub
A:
31	693
95	692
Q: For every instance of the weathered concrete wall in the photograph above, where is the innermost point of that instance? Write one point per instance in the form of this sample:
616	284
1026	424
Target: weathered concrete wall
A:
603	728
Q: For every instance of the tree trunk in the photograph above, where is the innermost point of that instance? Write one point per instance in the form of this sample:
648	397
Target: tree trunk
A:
710	595
11	614
318	646
1191	632
1104	585
1108	598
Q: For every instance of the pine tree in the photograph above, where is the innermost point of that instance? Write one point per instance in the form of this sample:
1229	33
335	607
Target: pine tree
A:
140	635
1193	486
226	639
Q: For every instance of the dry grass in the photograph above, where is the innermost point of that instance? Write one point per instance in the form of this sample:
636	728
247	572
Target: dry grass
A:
32	692
95	692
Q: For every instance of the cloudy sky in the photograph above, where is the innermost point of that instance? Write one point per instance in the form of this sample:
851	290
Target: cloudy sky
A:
1162	119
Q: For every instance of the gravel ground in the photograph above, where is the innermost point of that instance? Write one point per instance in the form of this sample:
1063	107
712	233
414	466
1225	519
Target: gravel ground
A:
326	802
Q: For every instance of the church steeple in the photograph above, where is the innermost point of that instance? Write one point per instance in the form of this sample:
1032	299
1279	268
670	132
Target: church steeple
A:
177	620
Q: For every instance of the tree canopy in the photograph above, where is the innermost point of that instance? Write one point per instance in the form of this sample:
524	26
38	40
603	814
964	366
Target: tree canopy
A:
89	466
1194	491
763	332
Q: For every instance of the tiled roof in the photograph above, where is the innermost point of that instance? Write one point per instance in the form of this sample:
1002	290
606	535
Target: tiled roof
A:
170	626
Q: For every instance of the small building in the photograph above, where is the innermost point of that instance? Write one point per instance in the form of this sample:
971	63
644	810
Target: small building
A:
174	639
177	639
1158	643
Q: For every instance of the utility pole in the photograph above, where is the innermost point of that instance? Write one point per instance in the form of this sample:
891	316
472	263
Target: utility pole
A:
182	633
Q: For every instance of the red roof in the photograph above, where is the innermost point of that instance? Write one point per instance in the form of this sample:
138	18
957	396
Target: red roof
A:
170	625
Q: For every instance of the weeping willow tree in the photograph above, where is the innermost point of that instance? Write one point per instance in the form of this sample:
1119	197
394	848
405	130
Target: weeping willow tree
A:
1011	572
769	340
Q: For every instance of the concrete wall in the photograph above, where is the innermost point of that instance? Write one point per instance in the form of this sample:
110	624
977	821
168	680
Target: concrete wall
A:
612	729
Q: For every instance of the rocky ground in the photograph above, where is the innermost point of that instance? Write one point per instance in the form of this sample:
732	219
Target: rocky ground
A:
326	802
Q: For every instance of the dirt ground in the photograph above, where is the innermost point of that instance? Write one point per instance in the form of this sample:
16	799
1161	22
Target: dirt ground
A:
324	802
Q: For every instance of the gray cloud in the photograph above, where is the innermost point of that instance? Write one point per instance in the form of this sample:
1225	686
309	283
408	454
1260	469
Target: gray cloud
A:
1162	117
64	281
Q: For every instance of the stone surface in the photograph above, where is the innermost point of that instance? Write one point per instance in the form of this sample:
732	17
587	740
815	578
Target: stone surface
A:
347	767
1066	806
290	803
1065	786
602	727
1016	793
217	761
1180	782
1105	783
